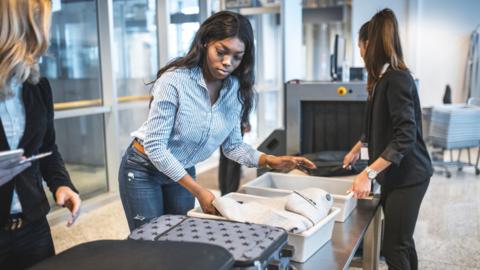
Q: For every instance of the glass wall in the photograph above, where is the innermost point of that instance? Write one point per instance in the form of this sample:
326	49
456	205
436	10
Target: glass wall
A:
268	84
130	120
135	41
184	23
72	63
84	155
135	62
72	66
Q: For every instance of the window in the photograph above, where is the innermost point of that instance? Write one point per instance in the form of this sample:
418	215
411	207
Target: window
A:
267	116
72	65
136	62
135	41
72	61
184	23
81	141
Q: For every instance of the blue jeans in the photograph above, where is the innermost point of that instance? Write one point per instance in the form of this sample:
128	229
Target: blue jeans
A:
147	193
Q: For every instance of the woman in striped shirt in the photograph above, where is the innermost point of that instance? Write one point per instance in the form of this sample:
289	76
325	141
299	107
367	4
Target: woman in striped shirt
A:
197	103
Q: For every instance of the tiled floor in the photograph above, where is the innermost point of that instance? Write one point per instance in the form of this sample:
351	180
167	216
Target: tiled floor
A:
448	229
106	222
447	234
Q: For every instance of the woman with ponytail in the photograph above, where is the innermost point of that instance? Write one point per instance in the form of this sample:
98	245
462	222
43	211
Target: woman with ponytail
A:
398	157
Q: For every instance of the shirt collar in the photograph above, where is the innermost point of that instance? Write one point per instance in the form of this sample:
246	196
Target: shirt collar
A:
384	69
197	75
16	89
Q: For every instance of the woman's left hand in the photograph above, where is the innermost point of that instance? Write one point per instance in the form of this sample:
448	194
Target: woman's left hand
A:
288	162
361	185
66	197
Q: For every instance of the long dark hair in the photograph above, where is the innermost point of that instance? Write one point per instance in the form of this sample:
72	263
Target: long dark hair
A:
383	46
220	26
363	33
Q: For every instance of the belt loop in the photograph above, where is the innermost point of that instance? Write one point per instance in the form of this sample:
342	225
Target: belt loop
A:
19	223
14	223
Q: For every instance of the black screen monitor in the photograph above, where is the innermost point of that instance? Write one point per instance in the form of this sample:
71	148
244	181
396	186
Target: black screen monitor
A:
337	58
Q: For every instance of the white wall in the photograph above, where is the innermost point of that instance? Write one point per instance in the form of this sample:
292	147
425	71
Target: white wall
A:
291	16
435	37
444	36
363	10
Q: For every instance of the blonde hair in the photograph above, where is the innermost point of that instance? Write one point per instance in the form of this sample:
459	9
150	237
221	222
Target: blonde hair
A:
24	37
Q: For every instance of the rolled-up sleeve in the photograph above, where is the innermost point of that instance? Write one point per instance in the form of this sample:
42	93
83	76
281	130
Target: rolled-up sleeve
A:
402	114
159	126
235	149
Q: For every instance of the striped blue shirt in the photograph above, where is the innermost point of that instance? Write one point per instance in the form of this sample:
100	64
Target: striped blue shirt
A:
183	128
12	113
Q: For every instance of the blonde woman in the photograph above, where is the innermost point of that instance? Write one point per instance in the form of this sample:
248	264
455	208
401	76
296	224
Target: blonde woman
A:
26	116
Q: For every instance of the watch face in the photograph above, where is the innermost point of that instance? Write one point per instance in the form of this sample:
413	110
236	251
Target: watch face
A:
371	175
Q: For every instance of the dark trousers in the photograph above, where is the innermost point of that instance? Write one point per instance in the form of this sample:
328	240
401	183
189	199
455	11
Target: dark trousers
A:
229	174
24	247
400	208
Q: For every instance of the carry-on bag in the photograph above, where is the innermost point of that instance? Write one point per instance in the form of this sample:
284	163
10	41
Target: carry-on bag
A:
139	255
330	163
253	246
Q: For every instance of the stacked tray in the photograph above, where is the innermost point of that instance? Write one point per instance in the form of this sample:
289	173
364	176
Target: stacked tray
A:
455	126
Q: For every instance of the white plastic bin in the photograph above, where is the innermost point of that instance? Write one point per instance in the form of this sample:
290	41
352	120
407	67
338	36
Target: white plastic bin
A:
278	184
305	243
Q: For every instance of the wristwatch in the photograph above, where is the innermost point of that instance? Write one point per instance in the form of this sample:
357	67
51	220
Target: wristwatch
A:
371	173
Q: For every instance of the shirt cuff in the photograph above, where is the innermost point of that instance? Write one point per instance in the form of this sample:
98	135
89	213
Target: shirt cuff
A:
256	158
392	155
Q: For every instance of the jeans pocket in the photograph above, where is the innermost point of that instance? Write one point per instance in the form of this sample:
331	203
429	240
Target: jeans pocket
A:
136	159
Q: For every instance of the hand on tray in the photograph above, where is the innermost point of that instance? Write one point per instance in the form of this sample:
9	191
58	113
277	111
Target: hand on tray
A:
361	186
289	163
206	198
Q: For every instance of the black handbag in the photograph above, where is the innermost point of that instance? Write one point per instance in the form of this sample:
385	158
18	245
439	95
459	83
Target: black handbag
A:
330	163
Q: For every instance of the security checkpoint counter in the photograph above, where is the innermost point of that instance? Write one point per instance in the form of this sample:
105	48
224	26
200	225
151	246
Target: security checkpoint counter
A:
363	223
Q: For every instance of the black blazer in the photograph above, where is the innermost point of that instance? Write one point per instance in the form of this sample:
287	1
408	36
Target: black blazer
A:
38	137
394	131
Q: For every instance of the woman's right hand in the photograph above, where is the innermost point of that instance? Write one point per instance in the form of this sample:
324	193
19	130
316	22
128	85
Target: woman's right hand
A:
206	198
350	159
203	195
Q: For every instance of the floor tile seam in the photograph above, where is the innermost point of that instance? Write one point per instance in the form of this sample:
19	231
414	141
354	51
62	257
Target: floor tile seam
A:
448	263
